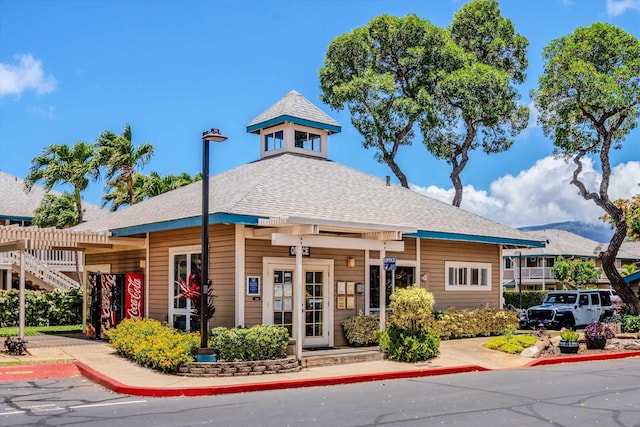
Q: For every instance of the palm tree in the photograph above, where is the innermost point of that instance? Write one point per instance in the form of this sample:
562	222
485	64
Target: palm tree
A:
61	164
120	195
121	159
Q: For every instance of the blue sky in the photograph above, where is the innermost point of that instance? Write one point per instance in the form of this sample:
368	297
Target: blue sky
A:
172	69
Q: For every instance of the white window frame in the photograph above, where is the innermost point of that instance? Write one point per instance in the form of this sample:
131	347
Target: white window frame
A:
465	273
187	311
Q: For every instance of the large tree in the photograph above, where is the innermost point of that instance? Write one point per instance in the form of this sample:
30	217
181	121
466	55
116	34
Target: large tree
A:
386	73
631	212
121	159
477	104
56	211
144	187
588	99
61	164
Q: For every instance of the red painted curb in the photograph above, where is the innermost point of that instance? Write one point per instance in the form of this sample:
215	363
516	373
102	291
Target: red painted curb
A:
583	358
37	371
118	387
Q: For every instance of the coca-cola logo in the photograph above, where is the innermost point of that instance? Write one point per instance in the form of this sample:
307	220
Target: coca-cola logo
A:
134	290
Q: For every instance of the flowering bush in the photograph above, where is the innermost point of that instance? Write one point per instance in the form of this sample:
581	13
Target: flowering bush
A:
150	343
599	330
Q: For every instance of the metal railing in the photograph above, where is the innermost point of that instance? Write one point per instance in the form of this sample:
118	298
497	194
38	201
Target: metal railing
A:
57	259
532	274
40	270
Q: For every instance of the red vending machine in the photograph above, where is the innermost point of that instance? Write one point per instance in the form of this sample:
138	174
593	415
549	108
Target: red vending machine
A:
113	297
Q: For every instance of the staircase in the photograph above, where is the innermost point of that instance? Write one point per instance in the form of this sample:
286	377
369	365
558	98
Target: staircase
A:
38	272
340	356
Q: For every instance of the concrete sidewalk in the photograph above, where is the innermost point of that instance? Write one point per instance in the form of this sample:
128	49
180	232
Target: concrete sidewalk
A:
99	362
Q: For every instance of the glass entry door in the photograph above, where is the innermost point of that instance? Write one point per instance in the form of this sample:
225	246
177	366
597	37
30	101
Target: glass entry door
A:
314	307
279	302
282	295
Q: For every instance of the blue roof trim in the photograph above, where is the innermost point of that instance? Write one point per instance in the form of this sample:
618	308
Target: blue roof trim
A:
196	221
16	218
438	235
632	277
296	120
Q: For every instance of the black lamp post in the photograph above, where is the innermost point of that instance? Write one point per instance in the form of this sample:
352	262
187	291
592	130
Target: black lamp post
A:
207	136
520	278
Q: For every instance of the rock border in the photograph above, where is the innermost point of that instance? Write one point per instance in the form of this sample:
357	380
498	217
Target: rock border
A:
240	368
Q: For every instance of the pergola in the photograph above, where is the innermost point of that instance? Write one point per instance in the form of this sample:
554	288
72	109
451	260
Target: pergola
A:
17	238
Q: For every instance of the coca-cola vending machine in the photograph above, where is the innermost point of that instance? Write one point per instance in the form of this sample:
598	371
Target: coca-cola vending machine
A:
113	297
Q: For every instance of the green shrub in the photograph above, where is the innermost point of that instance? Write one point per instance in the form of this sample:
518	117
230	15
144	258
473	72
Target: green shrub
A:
42	308
513	344
361	330
412	308
259	342
407	345
630	323
569	336
150	343
473	322
529	298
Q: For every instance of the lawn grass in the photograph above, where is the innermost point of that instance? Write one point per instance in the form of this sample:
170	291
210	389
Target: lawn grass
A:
14	331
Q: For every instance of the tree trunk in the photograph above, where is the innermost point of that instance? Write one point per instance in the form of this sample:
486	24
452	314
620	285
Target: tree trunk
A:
398	173
608	258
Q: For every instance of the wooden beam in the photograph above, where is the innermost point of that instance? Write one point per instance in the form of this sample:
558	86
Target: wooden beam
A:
336	242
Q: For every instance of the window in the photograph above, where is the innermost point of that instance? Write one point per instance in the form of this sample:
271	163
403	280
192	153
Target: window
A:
273	141
402	277
307	141
463	276
186	263
508	263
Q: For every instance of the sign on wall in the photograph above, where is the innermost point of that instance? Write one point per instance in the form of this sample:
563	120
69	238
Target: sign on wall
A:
306	251
389	263
253	285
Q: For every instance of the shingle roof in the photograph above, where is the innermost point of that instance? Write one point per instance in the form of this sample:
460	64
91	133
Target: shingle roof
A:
293	107
562	242
17	203
299	186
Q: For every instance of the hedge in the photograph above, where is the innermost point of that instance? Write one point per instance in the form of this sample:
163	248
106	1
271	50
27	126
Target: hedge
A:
529	298
42	308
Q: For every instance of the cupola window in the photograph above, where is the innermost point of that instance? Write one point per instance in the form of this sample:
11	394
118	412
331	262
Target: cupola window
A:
274	141
307	141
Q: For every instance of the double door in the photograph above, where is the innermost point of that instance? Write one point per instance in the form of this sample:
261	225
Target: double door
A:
280	302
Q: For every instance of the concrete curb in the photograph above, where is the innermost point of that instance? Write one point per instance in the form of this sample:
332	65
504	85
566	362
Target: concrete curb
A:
118	387
583	358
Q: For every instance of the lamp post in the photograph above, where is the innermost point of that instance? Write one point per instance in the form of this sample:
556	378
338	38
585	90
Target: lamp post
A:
520	278
207	136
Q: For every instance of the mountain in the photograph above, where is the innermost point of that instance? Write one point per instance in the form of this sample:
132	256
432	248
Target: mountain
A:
601	233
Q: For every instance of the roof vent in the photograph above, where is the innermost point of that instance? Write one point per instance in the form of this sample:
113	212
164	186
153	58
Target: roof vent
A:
388	180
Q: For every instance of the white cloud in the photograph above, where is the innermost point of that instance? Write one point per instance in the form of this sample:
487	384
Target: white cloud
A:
618	7
543	193
26	75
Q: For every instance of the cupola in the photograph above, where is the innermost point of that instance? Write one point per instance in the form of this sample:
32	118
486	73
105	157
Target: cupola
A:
293	125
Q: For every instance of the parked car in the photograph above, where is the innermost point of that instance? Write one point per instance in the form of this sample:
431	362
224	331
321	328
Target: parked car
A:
615	299
568	309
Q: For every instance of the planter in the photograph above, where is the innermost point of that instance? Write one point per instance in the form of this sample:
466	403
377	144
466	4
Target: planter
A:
569	346
596	343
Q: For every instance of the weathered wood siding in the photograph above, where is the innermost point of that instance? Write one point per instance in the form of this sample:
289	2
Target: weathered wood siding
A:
121	262
221	269
434	253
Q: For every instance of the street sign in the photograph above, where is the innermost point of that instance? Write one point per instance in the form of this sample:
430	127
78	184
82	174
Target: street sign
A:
389	263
